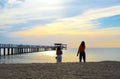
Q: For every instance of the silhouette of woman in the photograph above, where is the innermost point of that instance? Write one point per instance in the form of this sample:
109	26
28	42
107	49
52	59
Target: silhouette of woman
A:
81	52
59	55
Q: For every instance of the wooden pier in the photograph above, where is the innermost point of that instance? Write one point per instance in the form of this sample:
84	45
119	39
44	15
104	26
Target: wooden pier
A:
12	49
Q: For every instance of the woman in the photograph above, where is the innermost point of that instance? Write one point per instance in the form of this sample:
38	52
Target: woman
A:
59	55
81	52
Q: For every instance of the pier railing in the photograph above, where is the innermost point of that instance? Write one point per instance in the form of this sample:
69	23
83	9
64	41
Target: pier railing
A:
12	49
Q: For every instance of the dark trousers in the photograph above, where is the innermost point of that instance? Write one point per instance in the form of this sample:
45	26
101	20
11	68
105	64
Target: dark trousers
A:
82	56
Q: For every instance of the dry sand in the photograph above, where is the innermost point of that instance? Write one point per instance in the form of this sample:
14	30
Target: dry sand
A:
89	70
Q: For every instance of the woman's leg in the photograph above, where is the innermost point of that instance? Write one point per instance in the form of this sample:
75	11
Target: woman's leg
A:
59	58
84	57
80	57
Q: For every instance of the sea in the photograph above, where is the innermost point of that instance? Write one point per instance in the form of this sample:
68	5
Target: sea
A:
69	55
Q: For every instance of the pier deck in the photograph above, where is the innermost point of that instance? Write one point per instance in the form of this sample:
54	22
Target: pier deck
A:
12	49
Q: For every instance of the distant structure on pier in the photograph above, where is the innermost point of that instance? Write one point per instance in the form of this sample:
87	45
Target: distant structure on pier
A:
60	45
12	49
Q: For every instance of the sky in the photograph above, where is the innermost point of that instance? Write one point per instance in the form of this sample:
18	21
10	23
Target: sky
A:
45	22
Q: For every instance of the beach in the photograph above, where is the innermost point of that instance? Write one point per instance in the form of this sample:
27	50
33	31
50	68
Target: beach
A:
75	70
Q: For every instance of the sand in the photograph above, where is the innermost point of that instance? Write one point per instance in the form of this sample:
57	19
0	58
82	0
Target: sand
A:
89	70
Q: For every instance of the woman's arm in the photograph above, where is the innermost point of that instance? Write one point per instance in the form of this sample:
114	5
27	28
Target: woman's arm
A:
78	51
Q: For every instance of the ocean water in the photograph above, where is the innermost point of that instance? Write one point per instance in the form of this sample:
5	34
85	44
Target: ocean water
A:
69	55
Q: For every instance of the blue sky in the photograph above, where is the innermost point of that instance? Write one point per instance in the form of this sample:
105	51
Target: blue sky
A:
67	21
113	21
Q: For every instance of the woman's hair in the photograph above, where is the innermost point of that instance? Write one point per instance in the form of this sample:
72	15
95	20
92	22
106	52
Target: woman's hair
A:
58	48
82	44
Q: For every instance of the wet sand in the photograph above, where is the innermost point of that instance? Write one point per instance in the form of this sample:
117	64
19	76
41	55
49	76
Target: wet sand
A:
89	70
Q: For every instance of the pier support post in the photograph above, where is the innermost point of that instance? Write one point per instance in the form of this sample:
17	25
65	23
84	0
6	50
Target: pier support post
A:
8	51
4	51
27	50
15	50
37	49
18	51
0	51
30	50
22	50
12	51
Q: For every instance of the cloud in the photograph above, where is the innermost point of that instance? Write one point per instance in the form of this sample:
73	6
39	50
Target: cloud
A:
4	4
31	10
77	28
101	13
44	10
81	24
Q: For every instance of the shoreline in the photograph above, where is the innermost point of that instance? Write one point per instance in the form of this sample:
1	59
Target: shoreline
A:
71	70
62	62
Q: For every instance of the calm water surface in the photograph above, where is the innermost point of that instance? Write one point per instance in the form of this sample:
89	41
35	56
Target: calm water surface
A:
69	55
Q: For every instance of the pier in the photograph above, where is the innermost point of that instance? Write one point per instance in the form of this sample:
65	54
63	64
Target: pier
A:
12	49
